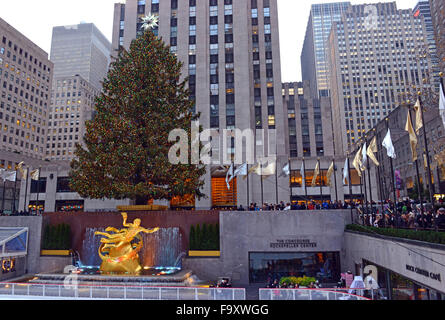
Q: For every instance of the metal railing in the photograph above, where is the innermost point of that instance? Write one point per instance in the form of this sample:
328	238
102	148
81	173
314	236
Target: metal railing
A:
89	292
308	294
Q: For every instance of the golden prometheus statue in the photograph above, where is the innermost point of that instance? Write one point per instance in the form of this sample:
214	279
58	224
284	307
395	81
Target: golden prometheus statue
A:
119	251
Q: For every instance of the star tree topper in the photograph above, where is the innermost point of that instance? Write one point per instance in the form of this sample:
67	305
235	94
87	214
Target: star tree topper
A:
150	22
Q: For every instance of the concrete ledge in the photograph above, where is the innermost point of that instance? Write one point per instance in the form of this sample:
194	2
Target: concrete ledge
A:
431	245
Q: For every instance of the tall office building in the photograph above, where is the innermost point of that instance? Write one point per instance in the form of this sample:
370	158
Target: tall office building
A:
25	81
230	50
423	9
314	64
72	103
372	62
438	18
80	49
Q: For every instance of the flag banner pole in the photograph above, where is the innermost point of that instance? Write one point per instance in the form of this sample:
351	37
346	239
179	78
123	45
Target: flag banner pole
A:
420	196
26	189
335	180
290	181
305	186
3	197
321	183
350	189
248	200
38	191
430	184
14	209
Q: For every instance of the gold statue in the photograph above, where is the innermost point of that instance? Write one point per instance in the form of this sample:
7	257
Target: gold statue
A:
118	253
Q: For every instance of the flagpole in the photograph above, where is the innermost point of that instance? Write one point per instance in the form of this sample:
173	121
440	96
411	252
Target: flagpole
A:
26	189
430	184
290	181
420	195
15	190
380	184
248	199
3	198
370	186
350	187
38	191
335	180
261	179
305	186
392	174
321	183
233	187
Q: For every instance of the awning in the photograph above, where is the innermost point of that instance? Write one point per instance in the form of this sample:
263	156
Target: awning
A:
13	242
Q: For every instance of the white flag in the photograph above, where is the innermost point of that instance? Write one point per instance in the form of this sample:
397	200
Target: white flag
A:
285	171
229	176
35	174
387	143
9	175
442	104
364	157
346	172
269	170
241	170
303	180
2	173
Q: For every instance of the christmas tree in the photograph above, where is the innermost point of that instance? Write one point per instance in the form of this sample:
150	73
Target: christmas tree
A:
125	152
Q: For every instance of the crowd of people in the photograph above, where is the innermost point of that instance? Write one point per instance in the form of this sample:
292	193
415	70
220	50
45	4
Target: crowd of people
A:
406	214
311	205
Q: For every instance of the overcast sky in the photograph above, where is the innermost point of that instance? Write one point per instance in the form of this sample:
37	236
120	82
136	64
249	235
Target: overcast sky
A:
36	18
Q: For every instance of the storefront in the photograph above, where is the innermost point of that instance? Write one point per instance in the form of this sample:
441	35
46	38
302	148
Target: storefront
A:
398	287
264	267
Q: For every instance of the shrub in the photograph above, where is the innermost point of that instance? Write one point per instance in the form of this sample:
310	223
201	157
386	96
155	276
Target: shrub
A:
57	237
204	238
420	235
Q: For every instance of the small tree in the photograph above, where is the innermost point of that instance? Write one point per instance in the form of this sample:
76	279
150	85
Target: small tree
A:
192	239
198	242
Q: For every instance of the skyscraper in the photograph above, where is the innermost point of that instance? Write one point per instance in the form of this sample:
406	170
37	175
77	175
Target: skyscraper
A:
423	9
373	59
230	51
438	19
314	63
25	82
80	49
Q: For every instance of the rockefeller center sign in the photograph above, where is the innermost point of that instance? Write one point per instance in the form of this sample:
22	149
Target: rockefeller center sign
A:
293	244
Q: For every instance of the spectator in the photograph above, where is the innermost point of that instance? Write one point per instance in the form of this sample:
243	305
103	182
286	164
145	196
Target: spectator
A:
440	221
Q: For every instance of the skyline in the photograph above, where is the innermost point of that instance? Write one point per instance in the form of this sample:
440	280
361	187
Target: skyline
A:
40	31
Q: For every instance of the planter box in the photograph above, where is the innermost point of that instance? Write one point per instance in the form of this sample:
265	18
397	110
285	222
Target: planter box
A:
55	252
196	253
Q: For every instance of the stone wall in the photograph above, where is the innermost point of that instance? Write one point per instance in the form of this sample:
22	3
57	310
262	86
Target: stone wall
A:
34	223
49	264
416	260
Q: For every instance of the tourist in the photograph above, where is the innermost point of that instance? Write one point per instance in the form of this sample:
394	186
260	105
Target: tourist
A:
440	221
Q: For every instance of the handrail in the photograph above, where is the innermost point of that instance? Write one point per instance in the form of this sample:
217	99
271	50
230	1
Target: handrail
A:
91	292
335	291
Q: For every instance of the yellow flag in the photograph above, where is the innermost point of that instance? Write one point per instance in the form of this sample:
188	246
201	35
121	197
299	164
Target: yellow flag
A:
372	149
425	161
329	173
412	136
316	173
419	122
253	169
357	163
20	168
